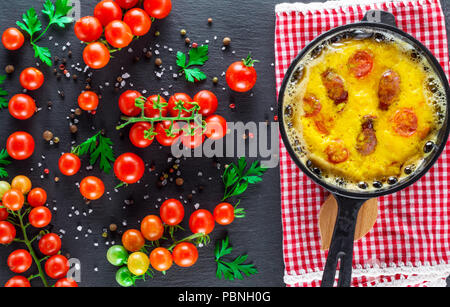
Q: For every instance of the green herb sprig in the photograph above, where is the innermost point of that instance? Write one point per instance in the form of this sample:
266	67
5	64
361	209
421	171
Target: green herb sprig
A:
57	15
231	270
237	179
3	93
3	161
97	147
197	57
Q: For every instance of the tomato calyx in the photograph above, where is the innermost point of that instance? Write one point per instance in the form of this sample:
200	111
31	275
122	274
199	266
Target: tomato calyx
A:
249	61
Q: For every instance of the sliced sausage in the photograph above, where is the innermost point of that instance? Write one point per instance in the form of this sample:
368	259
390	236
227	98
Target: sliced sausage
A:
389	89
366	141
335	86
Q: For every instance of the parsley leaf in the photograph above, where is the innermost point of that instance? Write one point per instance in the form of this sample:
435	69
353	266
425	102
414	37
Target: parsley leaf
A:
3	156
197	57
31	23
231	270
43	53
97	147
3	102
57	13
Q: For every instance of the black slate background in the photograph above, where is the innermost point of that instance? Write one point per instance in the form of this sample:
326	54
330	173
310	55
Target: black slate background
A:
250	24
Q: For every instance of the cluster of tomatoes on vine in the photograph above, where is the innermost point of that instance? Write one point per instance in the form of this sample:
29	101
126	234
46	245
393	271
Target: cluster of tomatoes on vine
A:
11	215
136	265
110	29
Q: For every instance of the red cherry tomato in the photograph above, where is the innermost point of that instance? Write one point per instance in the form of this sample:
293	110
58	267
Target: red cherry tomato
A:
137	135
7	232
20	145
69	164
172	212
18	282
207	101
360	63
133	240
22	106
201	221
19	261
118	34
323	124
162	135
311	105
88	101
337	152
66	283
152	228
129	168
150	111
96	55
127	103
224	214
161	259
31	78
37	197
3	213
12	39
158	8
50	244
107	11
127	4
40	217
92	188
88	29
56	267
185	254
196	139
241	76
177	98
405	122
216	127
13	200
138	21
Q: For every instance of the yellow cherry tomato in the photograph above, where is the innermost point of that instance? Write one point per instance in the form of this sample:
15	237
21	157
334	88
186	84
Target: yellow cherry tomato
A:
138	263
4	187
21	183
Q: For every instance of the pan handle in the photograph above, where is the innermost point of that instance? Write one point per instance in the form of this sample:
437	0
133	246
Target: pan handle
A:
380	17
342	243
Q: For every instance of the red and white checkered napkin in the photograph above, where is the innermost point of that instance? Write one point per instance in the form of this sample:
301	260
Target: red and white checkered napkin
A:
410	243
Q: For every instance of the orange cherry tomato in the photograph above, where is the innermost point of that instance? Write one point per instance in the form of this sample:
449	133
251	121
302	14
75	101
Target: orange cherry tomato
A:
31	78
37	197
96	55
69	164
133	240
152	228
13	200
12	39
22	106
337	152
20	145
161	259
405	122
185	254
21	183
88	101
92	188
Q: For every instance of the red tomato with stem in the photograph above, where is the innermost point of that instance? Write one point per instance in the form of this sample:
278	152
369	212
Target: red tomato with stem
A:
40	217
201	221
137	135
127	4
118	34
207	101
7	232
69	164
19	261
66	283
138	21
150	111
127	103
129	168
158	8
185	254
50	244
88	101
133	240
216	127
241	76
163	137
107	11
18	282
37	197
92	188
152	228
20	145
161	259
22	106
96	55
57	266
13	200
88	29
31	78
3	213
172	212
224	214
12	39
194	137
174	99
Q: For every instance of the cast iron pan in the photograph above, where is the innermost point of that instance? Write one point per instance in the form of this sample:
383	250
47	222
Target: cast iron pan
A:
350	201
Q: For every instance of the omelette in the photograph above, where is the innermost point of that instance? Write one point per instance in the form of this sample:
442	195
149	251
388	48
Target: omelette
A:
363	110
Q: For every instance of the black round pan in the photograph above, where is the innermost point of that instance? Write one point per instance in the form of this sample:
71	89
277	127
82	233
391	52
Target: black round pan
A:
350	201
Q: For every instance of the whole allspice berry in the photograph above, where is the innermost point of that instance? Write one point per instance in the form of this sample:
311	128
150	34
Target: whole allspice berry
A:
78	112
187	40
158	62
210	20
9	69
148	54
113	227
179	181
47	135
73	128
226	41
56	140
